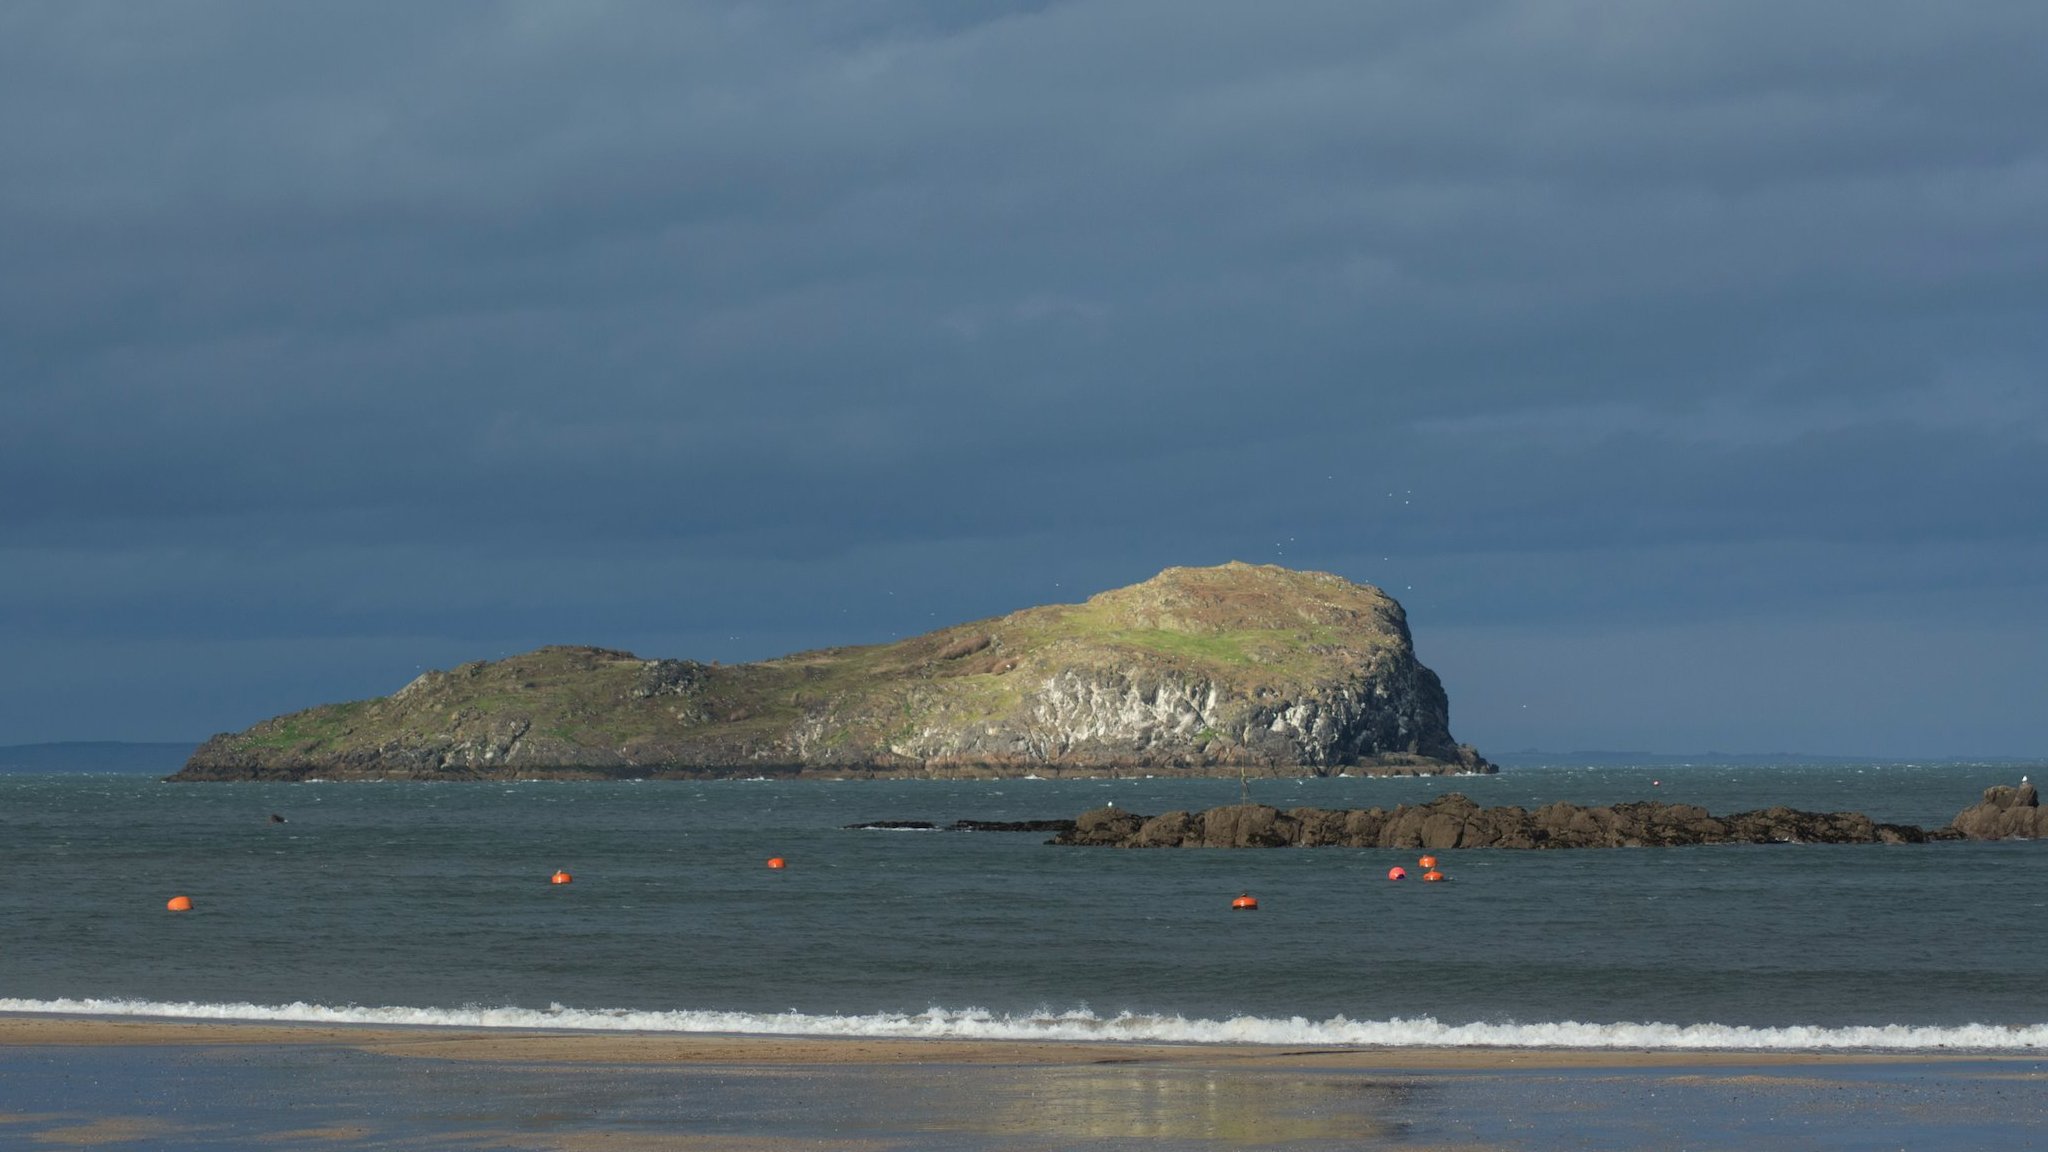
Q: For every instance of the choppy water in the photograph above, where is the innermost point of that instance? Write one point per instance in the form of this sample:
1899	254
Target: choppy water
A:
430	903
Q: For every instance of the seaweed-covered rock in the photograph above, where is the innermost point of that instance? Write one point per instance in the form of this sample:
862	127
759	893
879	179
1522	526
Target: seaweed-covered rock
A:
1456	821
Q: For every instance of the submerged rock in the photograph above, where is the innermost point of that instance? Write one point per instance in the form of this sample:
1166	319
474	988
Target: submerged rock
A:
1011	825
964	826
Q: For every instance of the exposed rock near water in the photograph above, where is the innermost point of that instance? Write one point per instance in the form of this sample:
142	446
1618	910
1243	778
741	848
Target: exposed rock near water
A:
1199	671
2005	813
1455	821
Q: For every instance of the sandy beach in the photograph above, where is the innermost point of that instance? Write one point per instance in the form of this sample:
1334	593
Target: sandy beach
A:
134	1083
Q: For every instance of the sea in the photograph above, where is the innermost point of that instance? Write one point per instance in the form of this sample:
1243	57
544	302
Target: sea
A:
431	904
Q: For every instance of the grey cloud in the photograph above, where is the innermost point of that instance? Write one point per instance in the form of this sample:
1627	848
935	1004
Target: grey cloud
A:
477	324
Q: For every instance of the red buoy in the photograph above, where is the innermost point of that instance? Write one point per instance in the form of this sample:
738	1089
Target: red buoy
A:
1397	873
1245	903
777	862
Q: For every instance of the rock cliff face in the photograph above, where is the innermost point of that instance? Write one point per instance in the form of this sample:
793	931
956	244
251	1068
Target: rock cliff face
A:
1199	670
1455	821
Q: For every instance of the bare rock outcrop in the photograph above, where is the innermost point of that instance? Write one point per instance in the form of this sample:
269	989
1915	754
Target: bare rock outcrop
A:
2005	813
1455	821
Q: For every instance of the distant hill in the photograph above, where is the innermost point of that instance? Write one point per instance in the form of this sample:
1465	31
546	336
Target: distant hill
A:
1198	671
95	756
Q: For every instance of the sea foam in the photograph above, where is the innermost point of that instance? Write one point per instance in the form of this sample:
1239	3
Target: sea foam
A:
1081	1024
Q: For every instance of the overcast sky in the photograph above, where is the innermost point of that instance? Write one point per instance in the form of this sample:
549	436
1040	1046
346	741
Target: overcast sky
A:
1682	367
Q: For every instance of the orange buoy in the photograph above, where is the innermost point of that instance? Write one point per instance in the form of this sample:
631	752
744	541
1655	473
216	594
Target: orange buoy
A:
1246	903
560	877
1433	876
1427	861
1397	873
777	862
179	904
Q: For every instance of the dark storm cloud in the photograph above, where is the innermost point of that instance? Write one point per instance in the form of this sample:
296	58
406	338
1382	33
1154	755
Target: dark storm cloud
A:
721	329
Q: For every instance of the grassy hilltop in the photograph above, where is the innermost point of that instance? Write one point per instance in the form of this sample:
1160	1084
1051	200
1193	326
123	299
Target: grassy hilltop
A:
1197	670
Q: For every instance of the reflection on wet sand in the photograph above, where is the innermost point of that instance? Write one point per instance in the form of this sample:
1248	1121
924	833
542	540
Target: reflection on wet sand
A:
501	1140
106	1130
266	1097
1185	1105
329	1134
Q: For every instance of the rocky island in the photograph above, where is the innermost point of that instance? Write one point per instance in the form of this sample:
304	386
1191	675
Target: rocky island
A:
1198	671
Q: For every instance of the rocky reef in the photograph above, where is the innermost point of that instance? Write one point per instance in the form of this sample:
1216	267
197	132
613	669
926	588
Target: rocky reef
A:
1455	821
1200	671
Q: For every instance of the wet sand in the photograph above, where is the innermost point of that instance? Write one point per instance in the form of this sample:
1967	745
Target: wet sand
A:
118	1083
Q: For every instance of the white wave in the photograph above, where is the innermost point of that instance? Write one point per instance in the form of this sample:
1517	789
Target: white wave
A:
1081	1024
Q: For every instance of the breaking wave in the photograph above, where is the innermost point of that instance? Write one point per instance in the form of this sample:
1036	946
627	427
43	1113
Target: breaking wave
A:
1081	1024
